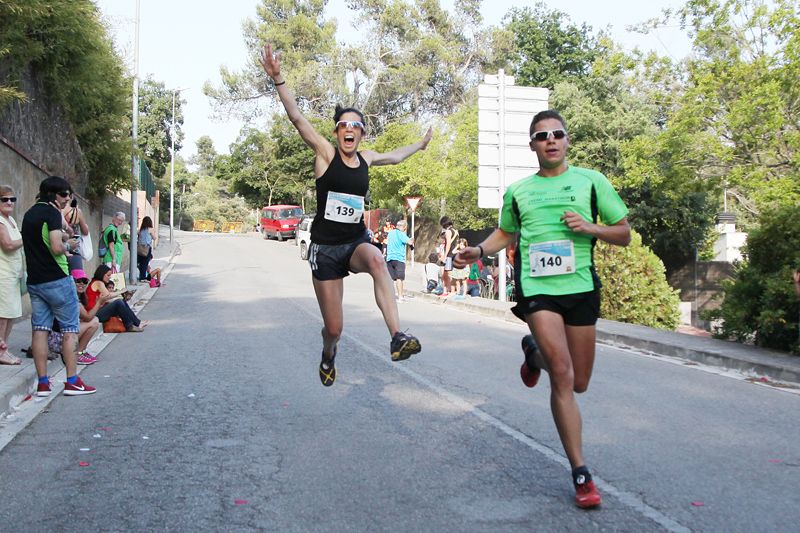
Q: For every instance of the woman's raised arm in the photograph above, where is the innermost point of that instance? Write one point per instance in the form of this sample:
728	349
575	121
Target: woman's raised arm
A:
271	62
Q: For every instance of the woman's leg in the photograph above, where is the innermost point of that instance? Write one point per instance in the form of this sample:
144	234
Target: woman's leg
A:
329	297
5	328
141	263
368	259
118	308
88	330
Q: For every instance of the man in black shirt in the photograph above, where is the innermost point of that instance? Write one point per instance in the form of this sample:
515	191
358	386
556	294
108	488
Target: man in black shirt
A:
52	291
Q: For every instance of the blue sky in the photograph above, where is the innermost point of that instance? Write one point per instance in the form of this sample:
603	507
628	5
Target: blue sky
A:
184	42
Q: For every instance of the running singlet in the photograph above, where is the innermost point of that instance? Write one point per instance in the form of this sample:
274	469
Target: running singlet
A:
340	202
552	259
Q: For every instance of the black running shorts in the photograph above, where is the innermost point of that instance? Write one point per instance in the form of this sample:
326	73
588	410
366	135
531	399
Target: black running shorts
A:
332	261
397	269
581	309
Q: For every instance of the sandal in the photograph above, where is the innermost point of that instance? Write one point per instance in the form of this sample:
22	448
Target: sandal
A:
7	358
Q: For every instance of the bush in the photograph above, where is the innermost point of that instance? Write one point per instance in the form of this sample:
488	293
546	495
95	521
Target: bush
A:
759	303
635	288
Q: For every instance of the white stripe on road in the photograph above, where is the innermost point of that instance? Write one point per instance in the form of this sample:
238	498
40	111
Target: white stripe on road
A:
626	498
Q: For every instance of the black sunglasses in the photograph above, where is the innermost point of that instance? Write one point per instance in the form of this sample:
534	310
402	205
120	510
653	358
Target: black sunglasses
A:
544	135
9	199
63	194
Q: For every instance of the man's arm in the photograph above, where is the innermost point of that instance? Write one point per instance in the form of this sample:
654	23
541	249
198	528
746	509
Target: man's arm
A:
498	240
398	154
619	233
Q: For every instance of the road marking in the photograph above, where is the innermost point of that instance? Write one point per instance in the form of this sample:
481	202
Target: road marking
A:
626	498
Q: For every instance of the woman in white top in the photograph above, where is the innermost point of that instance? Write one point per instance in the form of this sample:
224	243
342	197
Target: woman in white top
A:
145	242
10	273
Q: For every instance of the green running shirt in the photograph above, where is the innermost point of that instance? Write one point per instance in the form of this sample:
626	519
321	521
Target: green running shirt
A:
533	207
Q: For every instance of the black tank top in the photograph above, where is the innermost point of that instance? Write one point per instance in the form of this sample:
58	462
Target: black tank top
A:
339	178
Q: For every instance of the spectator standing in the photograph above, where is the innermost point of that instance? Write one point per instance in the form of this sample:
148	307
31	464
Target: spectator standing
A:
51	289
112	240
555	214
77	227
450	235
145	244
11	272
396	244
459	275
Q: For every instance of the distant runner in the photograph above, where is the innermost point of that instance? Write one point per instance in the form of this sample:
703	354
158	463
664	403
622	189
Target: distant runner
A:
340	243
554	216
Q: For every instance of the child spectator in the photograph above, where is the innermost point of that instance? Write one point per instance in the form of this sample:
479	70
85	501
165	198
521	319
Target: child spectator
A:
460	275
432	272
474	279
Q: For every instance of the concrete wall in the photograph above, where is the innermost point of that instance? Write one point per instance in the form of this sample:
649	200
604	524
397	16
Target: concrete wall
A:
700	284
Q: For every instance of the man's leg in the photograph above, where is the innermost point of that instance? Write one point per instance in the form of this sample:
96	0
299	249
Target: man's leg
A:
40	351
368	259
69	346
555	358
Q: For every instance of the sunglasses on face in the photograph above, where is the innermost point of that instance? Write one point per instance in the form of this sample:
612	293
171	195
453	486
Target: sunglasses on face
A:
8	199
544	135
83	281
350	124
64	194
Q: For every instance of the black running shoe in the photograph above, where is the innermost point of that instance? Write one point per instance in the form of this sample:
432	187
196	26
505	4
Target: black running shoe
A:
327	370
404	346
529	372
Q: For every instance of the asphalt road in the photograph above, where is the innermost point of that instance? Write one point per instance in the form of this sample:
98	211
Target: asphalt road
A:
214	419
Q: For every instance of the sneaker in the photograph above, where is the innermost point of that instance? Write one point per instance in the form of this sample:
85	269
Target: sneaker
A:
44	389
404	346
528	371
85	358
79	388
586	494
327	370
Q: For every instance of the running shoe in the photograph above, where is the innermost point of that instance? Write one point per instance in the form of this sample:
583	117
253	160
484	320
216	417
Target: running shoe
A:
44	389
586	494
529	372
79	388
327	370
404	346
85	358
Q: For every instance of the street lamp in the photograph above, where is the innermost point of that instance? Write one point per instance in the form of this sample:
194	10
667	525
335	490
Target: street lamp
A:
172	166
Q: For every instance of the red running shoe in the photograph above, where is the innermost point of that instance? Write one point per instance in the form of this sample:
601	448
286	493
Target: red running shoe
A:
79	388
587	495
528	371
44	389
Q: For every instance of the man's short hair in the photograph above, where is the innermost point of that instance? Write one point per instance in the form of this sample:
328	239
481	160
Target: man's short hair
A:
544	115
402	223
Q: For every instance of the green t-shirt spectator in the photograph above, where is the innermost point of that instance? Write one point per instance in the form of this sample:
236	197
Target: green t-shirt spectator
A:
42	265
111	237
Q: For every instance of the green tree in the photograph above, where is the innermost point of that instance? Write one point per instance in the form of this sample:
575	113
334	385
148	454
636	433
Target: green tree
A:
547	47
635	289
155	123
65	45
759	303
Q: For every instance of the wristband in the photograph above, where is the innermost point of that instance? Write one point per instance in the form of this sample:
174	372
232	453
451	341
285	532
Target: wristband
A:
481	249
276	84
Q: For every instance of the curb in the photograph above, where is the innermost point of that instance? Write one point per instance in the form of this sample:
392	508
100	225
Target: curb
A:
19	388
757	363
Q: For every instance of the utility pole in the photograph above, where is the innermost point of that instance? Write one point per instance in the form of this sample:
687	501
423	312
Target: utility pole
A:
134	218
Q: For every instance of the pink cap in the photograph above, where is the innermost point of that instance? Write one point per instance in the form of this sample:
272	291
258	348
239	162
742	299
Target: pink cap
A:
79	274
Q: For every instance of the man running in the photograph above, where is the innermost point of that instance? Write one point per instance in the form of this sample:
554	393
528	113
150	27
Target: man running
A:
340	243
554	214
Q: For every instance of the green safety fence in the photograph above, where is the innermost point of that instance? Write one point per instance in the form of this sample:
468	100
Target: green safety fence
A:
146	181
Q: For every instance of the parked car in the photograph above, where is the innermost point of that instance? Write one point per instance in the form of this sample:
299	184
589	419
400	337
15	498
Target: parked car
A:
280	221
303	236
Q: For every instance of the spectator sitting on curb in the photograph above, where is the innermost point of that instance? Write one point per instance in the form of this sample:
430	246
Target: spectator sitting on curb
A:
474	279
432	273
89	321
116	306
